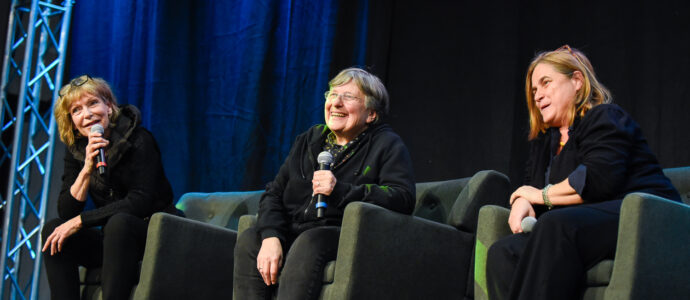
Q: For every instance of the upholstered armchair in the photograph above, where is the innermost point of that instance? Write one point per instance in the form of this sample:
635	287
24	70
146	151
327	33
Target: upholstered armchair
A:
381	254
651	260
192	258
387	255
177	249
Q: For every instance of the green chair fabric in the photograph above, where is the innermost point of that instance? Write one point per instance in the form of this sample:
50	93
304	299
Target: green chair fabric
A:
383	254
222	209
651	259
183	260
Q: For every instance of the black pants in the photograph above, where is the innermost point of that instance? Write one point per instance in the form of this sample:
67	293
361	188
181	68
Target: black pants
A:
302	273
117	248
552	260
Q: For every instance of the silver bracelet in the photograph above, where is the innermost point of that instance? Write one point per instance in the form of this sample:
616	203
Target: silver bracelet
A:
545	197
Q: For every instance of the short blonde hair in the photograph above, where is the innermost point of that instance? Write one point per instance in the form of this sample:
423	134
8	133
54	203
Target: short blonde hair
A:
566	61
375	93
77	88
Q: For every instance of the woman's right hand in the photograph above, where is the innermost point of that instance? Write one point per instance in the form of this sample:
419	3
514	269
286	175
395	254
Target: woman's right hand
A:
56	239
270	259
96	141
521	209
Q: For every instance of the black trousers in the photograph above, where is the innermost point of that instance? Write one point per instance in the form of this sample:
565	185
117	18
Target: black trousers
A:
552	260
302	274
117	248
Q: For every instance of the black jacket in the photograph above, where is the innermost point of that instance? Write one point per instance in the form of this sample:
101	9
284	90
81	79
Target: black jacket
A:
610	145
134	182
379	172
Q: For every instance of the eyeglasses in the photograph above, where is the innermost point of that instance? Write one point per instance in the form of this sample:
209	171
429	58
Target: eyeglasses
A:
331	96
76	82
566	47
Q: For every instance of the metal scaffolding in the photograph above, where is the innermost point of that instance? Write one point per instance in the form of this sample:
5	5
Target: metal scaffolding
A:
35	52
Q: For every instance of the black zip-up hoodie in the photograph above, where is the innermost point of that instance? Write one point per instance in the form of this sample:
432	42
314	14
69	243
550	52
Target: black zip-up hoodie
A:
379	172
134	181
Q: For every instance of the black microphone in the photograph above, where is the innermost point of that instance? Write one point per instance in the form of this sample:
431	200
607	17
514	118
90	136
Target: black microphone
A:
325	159
528	223
100	159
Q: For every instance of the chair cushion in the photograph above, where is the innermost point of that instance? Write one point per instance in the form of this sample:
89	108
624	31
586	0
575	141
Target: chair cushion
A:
600	274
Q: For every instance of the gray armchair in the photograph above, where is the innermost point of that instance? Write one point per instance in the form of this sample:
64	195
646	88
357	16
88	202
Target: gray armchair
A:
651	260
191	258
383	254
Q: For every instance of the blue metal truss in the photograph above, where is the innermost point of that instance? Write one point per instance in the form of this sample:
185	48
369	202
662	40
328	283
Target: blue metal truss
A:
35	51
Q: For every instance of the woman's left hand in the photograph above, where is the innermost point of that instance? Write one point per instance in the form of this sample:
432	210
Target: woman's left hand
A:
530	193
56	239
520	210
323	182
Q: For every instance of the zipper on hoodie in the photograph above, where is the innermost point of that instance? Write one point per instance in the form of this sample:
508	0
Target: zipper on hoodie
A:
306	209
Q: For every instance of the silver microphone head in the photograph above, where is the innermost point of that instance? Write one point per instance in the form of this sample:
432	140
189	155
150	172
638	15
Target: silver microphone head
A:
325	157
97	128
528	223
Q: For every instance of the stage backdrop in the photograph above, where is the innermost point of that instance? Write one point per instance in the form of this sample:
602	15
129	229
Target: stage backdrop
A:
226	86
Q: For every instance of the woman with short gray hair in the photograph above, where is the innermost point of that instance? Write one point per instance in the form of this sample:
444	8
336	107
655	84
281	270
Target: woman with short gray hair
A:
369	163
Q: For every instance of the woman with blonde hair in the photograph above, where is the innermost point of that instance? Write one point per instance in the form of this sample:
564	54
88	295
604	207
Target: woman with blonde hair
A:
585	155
129	187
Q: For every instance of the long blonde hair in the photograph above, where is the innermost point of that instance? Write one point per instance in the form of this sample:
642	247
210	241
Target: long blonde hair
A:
566	61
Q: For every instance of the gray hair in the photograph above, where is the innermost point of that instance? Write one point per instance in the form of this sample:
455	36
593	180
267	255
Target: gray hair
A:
376	96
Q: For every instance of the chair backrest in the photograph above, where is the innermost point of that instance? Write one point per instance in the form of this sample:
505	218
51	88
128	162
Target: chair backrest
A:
436	198
221	208
486	187
680	178
457	202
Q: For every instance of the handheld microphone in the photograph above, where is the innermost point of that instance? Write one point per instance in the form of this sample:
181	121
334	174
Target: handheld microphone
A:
325	159
528	223
100	159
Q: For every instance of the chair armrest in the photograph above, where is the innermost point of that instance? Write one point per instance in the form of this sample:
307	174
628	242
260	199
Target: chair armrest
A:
245	222
384	254
186	259
652	259
492	225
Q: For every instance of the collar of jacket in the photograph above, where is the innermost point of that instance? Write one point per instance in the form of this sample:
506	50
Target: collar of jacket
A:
319	137
120	131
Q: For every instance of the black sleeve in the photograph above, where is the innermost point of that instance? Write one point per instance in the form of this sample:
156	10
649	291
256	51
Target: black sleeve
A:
144	171
395	188
69	207
273	218
605	145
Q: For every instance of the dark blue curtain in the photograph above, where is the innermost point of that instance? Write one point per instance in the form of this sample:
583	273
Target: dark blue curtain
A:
225	86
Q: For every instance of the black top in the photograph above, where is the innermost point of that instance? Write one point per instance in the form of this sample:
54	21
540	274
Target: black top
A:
378	171
134	182
606	146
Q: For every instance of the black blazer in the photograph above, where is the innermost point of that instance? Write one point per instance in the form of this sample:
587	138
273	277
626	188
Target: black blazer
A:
610	146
